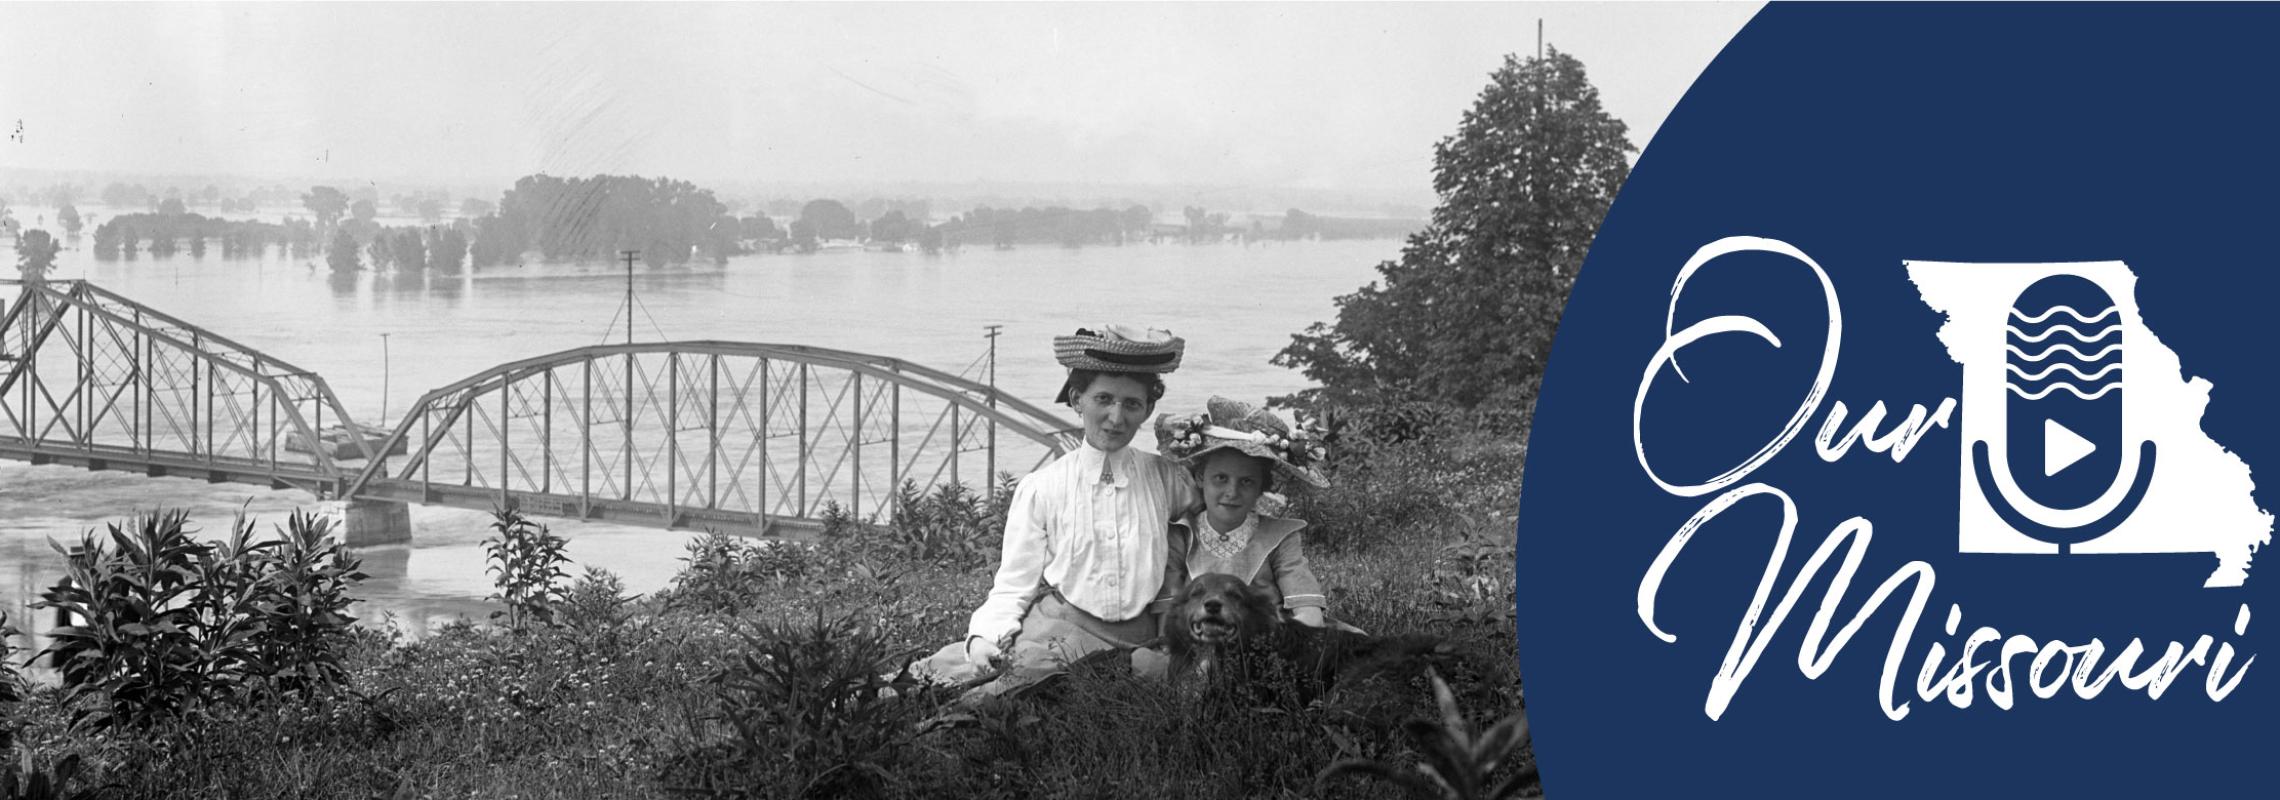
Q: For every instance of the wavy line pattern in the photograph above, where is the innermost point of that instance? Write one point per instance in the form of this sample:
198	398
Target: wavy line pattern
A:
2068	387
2045	353
2068	310
2045	372
2113	329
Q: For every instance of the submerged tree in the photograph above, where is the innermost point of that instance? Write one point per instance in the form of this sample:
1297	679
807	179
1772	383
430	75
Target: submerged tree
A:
328	204
341	256
35	255
1466	315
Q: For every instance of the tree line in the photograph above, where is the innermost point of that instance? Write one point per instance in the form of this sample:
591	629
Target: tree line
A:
668	221
575	219
164	234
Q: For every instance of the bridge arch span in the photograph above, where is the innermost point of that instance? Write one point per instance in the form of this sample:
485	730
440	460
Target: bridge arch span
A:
741	437
93	379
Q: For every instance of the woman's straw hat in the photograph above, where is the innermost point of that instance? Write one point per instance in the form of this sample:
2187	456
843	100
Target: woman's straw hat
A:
1118	348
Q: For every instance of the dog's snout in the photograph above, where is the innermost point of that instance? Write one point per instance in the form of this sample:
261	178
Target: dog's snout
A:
1211	606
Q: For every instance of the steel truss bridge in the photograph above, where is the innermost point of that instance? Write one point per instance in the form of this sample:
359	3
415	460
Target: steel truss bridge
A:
752	439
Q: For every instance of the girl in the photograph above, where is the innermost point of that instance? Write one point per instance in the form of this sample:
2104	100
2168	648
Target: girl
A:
1238	454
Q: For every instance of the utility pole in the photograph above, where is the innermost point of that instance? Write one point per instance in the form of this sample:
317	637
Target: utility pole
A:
383	381
1539	38
989	477
629	254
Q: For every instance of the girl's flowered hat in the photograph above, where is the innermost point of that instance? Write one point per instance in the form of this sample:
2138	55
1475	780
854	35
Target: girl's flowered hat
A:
1253	431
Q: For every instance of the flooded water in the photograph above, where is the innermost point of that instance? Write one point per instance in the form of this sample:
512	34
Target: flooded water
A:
1235	304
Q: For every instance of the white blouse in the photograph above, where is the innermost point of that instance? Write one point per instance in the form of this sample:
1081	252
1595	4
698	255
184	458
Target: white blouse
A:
1101	544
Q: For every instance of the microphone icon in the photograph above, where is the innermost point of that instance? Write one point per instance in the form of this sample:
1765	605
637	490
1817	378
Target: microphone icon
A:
2063	400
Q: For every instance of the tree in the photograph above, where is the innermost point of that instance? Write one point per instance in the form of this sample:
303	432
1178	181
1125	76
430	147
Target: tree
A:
172	206
430	209
759	228
327	203
471	208
448	250
892	227
341	256
410	250
830	220
803	235
35	255
1465	316
68	217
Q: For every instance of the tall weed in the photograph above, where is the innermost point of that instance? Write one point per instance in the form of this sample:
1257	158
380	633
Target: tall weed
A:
526	561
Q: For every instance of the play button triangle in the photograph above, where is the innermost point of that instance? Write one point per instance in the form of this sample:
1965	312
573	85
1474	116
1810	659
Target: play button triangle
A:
2062	447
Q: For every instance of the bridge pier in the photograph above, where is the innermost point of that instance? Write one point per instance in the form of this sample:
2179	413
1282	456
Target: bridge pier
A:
374	522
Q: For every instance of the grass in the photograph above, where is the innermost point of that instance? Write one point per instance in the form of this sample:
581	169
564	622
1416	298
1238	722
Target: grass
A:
638	702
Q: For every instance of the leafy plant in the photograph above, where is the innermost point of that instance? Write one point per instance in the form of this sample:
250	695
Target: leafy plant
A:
138	643
27	780
1473	581
1456	764
526	562
829	708
596	602
303	629
11	683
166	623
597	615
717	576
950	525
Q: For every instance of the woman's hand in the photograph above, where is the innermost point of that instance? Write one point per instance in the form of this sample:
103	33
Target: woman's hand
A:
983	653
1309	616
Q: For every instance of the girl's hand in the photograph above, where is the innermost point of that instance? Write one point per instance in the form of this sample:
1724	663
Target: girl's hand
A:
1309	616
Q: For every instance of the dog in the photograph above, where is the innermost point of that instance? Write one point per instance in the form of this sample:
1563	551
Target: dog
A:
1224	636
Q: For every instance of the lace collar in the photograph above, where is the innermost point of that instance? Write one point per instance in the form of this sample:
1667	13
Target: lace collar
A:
1227	544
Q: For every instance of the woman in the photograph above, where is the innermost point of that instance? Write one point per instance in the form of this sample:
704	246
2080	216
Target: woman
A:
1085	560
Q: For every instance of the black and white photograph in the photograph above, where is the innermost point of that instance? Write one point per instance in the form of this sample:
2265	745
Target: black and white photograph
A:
788	400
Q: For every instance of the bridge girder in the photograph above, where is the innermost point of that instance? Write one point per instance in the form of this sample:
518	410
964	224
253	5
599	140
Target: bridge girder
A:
92	378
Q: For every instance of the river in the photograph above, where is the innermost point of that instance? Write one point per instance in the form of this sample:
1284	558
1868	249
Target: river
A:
1235	304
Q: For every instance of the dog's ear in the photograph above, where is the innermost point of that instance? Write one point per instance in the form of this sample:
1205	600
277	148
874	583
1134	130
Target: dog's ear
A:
1261	605
1172	625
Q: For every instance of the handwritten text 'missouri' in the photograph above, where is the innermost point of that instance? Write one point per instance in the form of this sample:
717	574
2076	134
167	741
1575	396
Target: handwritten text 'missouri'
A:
2054	666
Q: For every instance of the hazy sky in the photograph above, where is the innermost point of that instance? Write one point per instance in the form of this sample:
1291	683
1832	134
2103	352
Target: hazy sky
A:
1329	96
